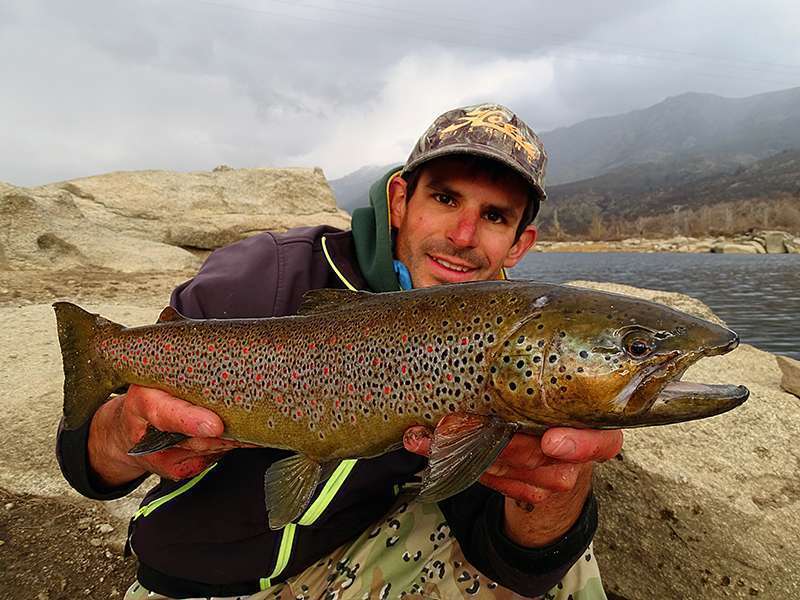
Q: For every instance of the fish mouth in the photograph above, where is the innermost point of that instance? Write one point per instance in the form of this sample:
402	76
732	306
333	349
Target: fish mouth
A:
674	400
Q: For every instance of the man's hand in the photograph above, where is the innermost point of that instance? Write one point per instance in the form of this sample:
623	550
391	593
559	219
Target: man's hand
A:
550	476
122	421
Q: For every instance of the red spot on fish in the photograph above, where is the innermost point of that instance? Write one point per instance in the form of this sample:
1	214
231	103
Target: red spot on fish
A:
188	369
237	398
403	369
211	347
245	350
325	370
404	338
278	399
332	340
295	375
351	388
167	347
313	402
104	343
181	378
376	362
259	377
305	386
429	348
368	397
206	391
337	403
278	347
387	389
464	341
144	360
298	413
312	346
205	364
224	374
429	386
349	346
360	359
449	377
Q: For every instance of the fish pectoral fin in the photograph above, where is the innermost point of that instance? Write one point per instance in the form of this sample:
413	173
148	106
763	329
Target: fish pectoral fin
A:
324	300
289	485
155	440
462	448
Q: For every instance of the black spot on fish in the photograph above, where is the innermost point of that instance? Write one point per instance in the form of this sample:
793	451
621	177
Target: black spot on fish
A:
528	373
583	354
552	358
529	391
506	359
537	359
520	364
580	369
479	379
553	380
512	386
479	357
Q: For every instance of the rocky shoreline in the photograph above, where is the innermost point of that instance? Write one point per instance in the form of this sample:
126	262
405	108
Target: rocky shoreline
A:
758	242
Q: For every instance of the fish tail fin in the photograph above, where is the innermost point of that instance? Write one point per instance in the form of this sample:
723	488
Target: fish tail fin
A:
88	379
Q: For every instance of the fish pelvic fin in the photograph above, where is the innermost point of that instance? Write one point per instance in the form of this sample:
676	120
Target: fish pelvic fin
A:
155	440
289	485
88	379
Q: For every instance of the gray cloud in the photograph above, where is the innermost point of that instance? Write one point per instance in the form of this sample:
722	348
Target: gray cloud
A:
95	86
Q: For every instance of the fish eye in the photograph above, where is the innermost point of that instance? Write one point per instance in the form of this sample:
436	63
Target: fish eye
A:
638	345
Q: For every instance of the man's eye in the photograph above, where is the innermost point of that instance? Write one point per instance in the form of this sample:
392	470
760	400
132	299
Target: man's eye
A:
444	199
494	216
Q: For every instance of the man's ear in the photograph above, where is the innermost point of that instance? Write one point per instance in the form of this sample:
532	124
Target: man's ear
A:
520	248
397	200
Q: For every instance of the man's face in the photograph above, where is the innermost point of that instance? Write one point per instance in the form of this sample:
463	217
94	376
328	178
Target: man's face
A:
459	225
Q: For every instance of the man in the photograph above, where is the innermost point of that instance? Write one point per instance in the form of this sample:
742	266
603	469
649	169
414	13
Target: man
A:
460	210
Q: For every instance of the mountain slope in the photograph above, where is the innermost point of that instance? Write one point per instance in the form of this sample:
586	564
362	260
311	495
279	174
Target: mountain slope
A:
729	130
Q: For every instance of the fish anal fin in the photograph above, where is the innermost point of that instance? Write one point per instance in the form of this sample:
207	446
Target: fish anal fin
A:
155	440
170	314
324	300
463	447
289	485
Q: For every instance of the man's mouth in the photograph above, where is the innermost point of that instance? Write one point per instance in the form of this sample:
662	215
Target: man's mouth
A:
450	265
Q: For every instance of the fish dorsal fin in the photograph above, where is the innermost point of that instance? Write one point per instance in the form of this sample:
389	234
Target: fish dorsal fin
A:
324	300
170	314
463	447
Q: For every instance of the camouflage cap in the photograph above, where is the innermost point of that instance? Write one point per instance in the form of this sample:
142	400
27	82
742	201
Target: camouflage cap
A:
489	130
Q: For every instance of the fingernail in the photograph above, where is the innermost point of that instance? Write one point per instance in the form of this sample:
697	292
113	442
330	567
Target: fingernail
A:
563	449
205	429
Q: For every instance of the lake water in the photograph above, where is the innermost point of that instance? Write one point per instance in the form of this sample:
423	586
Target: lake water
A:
758	296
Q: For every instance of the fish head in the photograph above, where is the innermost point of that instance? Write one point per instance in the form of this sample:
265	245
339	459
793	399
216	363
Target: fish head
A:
593	359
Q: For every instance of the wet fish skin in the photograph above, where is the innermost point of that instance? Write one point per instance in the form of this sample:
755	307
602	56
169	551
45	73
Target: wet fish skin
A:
348	376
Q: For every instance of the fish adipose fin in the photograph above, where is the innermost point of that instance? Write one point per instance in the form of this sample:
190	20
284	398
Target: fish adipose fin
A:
155	440
88	379
170	314
325	300
463	447
289	485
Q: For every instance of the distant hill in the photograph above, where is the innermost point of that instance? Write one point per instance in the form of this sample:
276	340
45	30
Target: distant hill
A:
352	190
729	131
683	139
664	190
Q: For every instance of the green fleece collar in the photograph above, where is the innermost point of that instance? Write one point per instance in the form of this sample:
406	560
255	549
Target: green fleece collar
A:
372	234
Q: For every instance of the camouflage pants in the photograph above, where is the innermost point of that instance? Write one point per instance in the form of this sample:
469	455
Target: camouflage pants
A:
409	554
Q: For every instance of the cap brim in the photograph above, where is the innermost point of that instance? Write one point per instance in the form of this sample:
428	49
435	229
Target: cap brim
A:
474	149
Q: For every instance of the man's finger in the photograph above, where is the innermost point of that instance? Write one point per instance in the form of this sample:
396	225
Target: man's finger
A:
417	439
523	451
581	445
559	477
515	489
168	413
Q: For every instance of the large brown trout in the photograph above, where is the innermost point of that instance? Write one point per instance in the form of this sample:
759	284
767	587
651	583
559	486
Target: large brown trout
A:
354	370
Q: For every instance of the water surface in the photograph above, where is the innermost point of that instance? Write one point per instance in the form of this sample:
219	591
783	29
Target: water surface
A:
758	296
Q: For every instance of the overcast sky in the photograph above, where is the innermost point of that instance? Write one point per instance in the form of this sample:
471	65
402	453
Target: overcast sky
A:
96	86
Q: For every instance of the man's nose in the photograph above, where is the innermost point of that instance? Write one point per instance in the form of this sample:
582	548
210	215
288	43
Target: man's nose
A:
464	232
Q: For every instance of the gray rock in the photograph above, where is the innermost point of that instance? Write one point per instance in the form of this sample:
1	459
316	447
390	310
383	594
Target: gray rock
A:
790	368
774	242
751	247
707	509
205	209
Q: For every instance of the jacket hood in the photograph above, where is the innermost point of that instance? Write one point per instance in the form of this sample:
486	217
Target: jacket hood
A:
372	234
